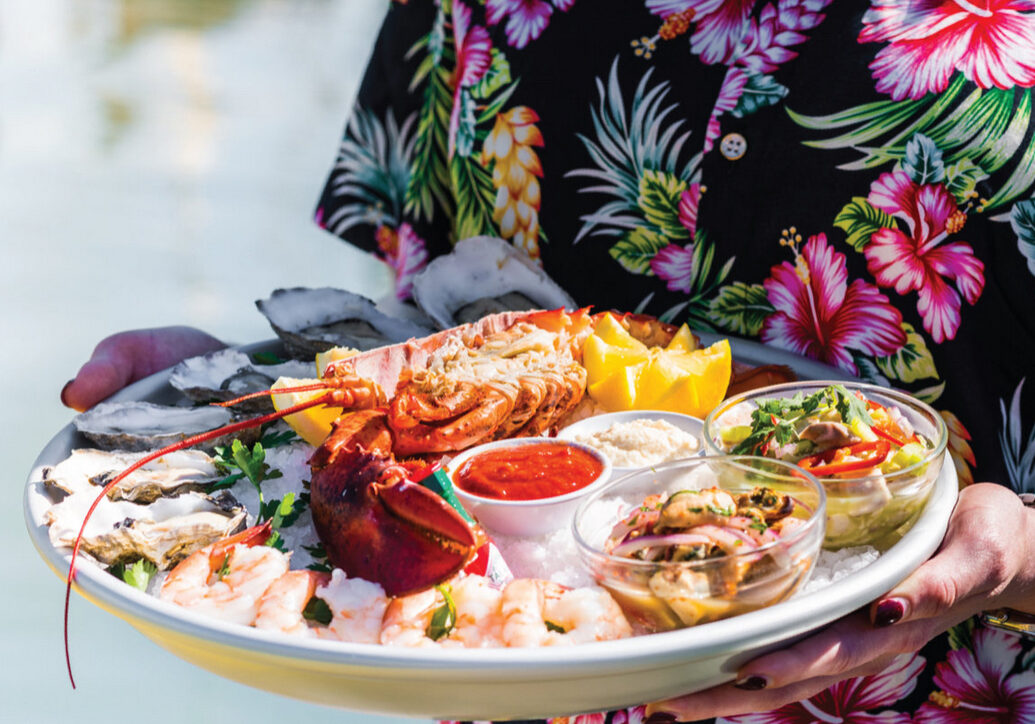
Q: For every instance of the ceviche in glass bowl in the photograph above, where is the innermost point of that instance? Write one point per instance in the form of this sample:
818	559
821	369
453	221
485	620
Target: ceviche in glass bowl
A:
702	539
877	451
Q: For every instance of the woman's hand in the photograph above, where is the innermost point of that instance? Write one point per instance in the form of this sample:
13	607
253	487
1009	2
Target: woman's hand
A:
987	560
126	357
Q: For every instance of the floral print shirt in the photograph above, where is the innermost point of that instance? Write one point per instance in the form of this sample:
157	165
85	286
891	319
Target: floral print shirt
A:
850	181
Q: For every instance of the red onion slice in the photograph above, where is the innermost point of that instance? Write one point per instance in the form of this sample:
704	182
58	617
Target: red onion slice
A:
627	548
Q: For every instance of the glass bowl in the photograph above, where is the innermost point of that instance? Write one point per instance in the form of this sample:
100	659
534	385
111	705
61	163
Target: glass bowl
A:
524	517
863	508
663	595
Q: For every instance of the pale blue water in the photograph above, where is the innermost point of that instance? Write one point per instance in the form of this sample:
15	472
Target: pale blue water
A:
159	161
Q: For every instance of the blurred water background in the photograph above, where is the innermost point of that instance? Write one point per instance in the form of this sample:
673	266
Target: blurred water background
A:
159	164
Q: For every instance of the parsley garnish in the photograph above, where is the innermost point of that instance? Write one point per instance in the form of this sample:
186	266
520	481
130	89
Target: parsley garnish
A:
137	574
551	626
283	513
317	610
319	555
444	618
224	570
775	419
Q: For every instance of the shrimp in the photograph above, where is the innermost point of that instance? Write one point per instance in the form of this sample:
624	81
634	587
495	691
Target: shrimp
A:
543	613
227	578
282	605
357	607
477	624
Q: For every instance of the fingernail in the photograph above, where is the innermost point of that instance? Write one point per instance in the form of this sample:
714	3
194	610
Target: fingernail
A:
64	390
752	683
660	717
888	612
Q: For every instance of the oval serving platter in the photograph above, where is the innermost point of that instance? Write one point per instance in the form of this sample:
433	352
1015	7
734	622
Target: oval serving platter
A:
486	683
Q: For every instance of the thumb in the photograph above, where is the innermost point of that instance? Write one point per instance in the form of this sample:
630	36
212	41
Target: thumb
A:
126	357
974	560
101	377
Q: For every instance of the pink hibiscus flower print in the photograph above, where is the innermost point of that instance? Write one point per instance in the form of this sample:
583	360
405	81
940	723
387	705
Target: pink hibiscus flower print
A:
405	253
849	701
597	718
820	315
989	41
526	19
918	261
976	685
720	24
473	57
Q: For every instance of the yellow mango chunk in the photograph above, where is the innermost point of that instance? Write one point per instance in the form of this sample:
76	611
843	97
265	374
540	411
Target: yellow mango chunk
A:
683	341
623	374
332	355
617	391
602	359
312	425
611	331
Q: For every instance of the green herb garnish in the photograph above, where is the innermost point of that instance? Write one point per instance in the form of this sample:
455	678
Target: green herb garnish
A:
137	574
776	419
317	610
551	626
224	570
444	618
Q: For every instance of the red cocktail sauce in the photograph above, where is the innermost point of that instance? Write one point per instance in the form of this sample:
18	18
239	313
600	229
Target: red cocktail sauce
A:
528	472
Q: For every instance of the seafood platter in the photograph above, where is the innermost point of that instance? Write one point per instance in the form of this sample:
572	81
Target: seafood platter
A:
445	523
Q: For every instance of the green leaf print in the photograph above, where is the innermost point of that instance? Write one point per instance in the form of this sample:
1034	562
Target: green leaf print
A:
989	128
759	91
912	362
466	132
741	308
497	76
962	636
931	394
473	190
860	221
961	179
635	249
868	371
659	200
1022	219
429	176
923	161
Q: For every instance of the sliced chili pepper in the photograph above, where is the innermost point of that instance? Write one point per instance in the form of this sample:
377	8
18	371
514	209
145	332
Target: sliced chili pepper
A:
832	462
887	435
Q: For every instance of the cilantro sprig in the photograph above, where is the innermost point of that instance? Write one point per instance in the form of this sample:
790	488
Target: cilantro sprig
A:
136	574
775	419
444	618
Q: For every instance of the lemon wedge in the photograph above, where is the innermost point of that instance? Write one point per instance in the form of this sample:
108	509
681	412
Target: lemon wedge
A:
312	425
625	374
323	359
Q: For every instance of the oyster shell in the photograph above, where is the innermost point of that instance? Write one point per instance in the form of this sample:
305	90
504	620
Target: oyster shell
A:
87	470
314	320
163	532
136	426
227	373
484	275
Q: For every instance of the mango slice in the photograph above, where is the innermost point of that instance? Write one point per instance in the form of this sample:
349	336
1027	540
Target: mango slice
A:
624	374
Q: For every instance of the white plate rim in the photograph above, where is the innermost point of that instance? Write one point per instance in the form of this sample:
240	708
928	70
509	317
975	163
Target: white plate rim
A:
747	632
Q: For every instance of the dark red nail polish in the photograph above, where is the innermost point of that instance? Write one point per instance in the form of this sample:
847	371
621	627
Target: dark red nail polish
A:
660	717
888	612
64	390
752	683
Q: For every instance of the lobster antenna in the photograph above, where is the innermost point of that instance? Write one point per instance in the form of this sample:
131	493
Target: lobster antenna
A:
182	444
315	387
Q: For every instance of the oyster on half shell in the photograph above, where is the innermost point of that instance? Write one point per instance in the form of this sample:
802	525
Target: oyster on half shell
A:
314	320
227	373
481	276
88	470
136	426
163	531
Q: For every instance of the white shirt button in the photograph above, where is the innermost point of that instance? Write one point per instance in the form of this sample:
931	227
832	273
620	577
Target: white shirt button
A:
733	146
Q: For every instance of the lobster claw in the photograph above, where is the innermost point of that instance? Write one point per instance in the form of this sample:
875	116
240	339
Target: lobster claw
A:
377	525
